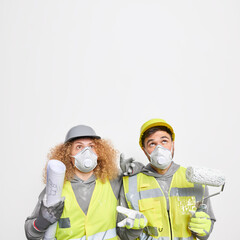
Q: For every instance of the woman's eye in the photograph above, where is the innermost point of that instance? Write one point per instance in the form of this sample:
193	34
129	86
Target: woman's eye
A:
78	147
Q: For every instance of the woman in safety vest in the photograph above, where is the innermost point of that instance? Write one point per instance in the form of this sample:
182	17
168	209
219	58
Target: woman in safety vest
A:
91	190
162	193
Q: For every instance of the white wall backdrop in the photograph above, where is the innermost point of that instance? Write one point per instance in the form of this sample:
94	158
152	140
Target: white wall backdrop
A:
114	65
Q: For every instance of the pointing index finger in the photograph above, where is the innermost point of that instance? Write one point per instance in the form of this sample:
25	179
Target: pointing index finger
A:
124	210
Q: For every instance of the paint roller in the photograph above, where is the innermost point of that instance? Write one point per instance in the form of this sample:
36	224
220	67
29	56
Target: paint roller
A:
205	176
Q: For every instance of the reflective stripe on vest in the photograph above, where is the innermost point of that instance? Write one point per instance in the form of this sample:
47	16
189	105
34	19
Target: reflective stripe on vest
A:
100	221
196	191
144	194
189	238
109	234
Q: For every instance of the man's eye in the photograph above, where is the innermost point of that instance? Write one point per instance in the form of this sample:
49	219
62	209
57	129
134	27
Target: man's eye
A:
152	144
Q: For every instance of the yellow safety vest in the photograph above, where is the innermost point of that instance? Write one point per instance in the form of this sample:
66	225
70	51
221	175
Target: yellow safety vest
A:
100	221
144	194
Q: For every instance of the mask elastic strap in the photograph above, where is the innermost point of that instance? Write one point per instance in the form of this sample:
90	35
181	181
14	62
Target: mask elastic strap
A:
147	152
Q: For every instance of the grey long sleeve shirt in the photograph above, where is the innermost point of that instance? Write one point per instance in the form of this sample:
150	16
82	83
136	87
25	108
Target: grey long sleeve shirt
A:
164	182
83	192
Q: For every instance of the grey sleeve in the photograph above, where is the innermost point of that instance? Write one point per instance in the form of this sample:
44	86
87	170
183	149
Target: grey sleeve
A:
124	233
116	185
30	232
209	212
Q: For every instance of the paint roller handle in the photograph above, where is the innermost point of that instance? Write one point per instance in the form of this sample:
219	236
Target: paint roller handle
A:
214	194
202	208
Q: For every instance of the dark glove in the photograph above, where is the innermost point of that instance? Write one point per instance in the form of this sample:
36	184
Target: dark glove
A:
49	215
129	167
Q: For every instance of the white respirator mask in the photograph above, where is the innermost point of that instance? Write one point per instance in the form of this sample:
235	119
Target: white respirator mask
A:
161	157
86	160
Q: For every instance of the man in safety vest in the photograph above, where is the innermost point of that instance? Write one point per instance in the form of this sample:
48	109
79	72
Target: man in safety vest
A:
162	193
91	190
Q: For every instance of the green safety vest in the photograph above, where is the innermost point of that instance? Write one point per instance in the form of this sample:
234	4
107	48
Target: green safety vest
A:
100	221
144	194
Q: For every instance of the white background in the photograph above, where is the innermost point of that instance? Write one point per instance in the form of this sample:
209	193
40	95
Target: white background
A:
114	65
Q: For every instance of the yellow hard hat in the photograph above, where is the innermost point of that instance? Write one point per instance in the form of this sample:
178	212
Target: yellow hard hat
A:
154	123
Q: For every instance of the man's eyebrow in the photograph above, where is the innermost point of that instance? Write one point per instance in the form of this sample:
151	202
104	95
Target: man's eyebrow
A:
164	137
149	140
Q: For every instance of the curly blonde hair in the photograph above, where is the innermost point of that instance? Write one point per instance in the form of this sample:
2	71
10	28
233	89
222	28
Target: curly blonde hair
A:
106	168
